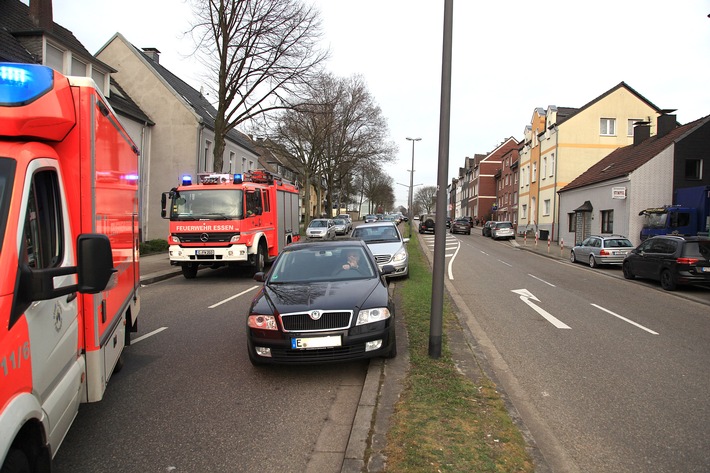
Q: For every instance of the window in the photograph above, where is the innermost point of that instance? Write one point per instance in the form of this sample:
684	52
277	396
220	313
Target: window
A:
525	211
232	158
607	126
43	224
543	172
54	58
546	204
572	222
534	172
100	79
207	160
694	169
607	221
632	121
552	164
78	68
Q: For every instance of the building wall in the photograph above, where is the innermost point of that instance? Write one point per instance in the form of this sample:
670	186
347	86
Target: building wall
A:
174	148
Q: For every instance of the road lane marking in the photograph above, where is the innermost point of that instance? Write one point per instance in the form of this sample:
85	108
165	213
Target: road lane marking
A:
451	262
507	264
541	280
143	337
233	297
526	295
625	319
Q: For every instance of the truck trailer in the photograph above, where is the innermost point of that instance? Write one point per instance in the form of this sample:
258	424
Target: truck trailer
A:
688	215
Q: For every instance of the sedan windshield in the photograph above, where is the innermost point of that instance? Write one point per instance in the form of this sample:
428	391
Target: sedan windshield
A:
319	265
376	234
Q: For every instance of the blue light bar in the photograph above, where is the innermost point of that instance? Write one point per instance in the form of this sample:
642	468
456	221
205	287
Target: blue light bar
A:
186	180
21	84
237	179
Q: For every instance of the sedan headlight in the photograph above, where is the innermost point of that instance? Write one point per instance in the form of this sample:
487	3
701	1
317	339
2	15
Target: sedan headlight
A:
369	316
401	255
263	322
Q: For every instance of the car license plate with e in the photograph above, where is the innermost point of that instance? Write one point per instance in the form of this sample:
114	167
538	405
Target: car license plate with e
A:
204	252
316	342
705	269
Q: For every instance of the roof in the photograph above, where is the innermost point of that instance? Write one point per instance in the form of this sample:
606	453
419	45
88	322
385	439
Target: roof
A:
15	22
197	101
623	161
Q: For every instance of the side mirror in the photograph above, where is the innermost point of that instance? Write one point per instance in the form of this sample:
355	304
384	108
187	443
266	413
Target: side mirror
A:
260	276
163	204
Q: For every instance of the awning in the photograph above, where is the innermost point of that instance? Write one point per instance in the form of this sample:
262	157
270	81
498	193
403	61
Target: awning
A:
585	207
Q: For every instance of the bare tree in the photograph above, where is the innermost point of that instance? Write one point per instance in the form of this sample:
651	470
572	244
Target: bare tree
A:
425	198
260	52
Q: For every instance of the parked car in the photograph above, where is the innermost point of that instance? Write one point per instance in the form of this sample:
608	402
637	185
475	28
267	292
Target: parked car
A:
348	219
322	228
427	223
341	226
486	230
448	222
369	218
673	260
461	225
503	230
386	243
601	249
315	308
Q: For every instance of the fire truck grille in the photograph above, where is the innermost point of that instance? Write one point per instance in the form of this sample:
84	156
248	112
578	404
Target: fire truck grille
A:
205	237
328	321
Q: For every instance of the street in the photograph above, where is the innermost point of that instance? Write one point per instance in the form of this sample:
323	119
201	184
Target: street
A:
608	374
187	398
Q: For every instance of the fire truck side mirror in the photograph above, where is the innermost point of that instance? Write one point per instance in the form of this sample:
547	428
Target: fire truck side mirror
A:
95	263
163	204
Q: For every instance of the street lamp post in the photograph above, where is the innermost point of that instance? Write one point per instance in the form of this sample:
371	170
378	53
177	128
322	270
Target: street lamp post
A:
411	186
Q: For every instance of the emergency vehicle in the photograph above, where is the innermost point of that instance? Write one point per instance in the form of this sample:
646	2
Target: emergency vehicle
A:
68	256
225	219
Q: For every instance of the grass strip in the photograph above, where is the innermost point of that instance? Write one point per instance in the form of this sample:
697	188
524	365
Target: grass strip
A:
443	421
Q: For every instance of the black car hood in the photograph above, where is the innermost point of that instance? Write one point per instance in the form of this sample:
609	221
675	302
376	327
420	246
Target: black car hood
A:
337	295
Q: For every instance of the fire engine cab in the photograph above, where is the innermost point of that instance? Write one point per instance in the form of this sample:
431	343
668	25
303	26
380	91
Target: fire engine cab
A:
230	219
68	255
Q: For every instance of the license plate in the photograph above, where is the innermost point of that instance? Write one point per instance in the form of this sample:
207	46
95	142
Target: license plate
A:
705	269
316	342
204	252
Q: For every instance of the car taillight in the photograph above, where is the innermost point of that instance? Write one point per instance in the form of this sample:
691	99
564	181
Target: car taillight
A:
604	253
687	260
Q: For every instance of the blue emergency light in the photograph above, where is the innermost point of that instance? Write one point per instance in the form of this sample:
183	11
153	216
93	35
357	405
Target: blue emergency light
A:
21	84
187	180
237	179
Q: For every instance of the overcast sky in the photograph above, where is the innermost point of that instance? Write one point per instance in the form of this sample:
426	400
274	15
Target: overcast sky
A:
509	57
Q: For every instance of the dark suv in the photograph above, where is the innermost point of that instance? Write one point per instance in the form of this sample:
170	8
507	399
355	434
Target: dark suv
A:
426	223
673	260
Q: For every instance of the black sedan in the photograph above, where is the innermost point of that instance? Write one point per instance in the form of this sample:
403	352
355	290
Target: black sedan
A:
322	302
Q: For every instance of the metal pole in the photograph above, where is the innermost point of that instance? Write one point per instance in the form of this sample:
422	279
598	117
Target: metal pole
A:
411	187
437	289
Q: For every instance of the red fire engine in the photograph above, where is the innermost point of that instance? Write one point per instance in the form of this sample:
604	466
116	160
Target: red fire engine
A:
68	217
225	219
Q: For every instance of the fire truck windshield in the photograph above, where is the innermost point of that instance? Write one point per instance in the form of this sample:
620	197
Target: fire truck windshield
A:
218	204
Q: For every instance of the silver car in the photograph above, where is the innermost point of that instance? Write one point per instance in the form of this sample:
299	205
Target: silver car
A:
601	249
322	228
341	226
386	243
502	230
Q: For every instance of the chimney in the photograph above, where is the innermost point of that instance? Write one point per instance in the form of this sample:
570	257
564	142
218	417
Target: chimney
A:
666	123
642	130
41	14
152	53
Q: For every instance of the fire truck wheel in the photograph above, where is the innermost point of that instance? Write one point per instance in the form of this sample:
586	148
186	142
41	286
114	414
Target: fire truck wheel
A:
15	462
259	259
189	270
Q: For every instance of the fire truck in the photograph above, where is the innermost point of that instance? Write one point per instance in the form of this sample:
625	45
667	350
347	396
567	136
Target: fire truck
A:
230	219
68	253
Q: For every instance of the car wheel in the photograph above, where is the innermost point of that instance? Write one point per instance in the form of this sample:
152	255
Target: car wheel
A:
259	259
592	261
468	233
626	269
668	281
572	257
189	270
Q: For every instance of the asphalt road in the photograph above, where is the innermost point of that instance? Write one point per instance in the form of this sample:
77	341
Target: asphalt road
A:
607	374
188	400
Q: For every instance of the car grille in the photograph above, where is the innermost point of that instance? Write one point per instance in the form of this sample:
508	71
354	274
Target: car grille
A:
383	258
302	322
318	355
